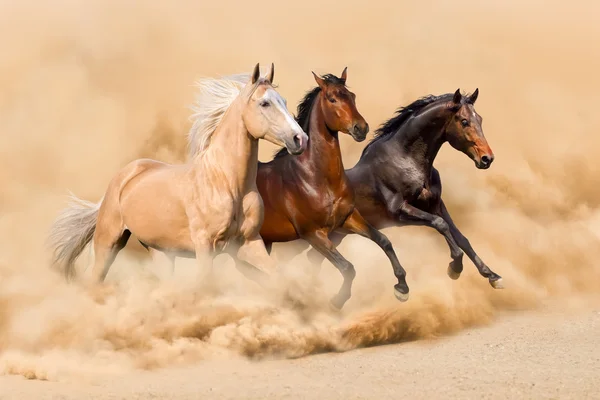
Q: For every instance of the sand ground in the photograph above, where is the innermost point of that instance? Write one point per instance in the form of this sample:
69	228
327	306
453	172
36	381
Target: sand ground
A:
541	355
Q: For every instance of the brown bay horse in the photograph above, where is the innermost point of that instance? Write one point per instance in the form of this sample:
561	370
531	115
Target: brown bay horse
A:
308	196
396	184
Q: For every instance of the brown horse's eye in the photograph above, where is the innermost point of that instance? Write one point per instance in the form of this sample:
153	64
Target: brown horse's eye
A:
464	122
332	100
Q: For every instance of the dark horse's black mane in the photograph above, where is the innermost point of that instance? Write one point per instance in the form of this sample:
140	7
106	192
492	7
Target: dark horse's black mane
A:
305	107
393	124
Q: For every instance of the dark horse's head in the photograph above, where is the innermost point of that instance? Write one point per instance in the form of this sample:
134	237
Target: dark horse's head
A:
464	131
339	107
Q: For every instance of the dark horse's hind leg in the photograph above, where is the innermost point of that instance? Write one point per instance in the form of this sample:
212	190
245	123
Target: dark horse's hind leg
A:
357	224
494	279
320	241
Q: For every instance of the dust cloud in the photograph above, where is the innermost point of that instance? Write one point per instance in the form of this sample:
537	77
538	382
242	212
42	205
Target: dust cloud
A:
85	87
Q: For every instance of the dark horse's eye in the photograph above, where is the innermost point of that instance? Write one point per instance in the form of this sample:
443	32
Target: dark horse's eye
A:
264	104
332	100
464	122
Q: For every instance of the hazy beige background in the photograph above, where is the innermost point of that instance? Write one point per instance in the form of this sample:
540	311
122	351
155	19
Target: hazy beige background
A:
85	87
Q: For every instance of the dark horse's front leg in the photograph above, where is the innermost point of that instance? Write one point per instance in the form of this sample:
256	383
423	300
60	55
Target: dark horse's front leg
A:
357	224
415	216
494	279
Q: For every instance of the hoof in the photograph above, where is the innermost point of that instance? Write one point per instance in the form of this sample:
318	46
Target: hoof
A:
453	274
497	284
400	296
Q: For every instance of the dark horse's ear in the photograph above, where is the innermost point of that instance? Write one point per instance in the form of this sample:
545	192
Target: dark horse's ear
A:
320	81
256	73
271	74
473	97
457	96
344	75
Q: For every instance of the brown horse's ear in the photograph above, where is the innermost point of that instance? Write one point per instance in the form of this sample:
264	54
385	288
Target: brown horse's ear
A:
322	84
271	74
344	75
457	96
473	97
256	73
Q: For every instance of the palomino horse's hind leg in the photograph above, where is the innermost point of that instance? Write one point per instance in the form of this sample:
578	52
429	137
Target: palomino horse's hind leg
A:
320	241
106	249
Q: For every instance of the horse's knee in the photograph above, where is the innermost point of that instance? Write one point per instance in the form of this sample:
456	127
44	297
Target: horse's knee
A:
439	224
347	270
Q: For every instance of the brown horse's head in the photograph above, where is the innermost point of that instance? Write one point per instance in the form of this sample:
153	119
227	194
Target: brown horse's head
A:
464	131
339	107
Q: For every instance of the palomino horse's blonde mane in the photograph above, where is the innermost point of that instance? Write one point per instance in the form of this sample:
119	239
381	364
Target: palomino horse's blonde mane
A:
214	98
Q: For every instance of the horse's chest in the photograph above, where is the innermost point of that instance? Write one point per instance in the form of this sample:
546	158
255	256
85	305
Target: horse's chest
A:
332	207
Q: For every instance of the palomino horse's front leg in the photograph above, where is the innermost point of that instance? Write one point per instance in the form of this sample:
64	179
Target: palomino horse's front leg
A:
320	241
254	252
204	259
494	279
357	224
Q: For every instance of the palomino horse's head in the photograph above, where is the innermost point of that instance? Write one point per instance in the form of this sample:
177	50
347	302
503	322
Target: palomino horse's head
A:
464	131
266	115
339	107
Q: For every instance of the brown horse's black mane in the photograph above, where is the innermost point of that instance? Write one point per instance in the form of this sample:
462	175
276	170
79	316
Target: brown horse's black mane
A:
393	124
305	107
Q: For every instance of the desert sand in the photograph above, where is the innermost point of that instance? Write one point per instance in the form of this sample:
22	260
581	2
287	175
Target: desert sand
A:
86	87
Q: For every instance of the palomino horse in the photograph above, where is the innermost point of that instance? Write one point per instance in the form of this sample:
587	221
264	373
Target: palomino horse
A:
309	196
395	181
198	208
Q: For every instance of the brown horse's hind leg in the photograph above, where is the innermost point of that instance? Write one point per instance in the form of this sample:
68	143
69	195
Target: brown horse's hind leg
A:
357	224
106	249
320	241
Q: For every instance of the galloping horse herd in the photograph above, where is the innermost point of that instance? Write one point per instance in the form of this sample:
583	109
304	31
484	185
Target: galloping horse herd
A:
224	200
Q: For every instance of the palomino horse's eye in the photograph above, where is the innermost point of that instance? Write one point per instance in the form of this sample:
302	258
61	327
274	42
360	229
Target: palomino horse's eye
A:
464	122
264	104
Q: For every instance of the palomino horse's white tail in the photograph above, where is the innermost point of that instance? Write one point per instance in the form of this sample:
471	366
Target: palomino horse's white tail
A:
71	232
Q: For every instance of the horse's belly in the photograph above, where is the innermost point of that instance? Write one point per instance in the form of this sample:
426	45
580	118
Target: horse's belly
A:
154	213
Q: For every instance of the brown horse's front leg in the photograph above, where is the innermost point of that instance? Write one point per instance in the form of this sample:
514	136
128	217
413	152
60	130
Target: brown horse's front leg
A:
320	241
357	224
494	279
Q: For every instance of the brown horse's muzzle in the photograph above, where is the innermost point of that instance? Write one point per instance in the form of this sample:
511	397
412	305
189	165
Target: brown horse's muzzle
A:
359	131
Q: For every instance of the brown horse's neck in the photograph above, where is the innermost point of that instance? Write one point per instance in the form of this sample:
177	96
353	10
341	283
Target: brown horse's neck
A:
323	152
233	152
423	136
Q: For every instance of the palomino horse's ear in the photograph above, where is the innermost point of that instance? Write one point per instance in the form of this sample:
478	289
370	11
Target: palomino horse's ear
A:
473	97
256	73
344	75
457	96
271	73
320	81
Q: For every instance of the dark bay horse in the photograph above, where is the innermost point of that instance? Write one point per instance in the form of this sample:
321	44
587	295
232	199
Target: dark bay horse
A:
309	196
396	184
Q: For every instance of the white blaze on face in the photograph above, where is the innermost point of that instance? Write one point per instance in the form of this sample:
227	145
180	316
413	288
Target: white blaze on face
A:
278	104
